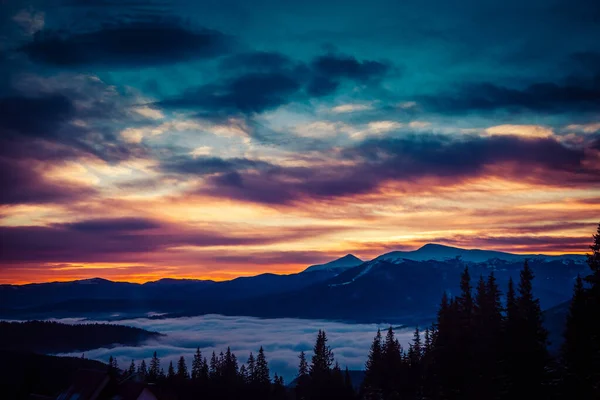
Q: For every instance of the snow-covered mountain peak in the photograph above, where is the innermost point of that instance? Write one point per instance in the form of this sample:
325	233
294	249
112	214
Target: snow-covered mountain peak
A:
348	261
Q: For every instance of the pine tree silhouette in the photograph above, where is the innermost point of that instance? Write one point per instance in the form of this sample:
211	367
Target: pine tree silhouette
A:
214	367
302	388
142	370
197	365
131	370
527	337
322	359
113	367
154	370
593	261
576	357
251	368
372	384
391	383
348	393
261	370
244	374
171	372
182	371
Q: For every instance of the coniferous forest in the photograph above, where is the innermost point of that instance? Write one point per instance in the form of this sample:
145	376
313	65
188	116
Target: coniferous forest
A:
487	343
55	337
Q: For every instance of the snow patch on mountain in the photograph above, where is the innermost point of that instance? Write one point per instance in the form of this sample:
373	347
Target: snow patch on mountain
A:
346	262
438	252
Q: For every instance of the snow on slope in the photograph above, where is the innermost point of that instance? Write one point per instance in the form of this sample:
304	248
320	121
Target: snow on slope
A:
440	252
348	261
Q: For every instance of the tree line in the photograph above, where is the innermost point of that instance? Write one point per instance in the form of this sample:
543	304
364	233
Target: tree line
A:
56	337
483	345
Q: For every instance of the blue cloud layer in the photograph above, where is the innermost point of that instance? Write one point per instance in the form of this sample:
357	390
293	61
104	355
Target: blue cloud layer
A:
282	339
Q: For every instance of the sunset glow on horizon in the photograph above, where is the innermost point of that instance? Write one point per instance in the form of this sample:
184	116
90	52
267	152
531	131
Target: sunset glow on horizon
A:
248	144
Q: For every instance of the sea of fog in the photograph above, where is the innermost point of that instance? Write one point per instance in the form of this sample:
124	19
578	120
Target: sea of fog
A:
282	340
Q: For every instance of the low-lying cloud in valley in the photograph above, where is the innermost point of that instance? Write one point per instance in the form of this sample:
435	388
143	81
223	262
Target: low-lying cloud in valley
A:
282	339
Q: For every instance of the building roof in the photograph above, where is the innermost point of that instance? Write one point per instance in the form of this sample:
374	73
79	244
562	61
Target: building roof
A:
87	385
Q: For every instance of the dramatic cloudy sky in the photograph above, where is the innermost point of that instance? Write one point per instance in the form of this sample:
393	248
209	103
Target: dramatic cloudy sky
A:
212	139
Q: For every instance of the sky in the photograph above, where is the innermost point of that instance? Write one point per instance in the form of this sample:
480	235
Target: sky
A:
215	139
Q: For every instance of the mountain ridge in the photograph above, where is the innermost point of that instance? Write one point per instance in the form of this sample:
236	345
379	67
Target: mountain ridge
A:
429	251
391	287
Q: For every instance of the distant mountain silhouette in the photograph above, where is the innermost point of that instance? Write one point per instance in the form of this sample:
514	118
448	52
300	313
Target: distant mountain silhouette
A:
400	286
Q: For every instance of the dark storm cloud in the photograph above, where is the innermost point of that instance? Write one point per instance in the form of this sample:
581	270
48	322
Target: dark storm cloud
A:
113	224
539	97
407	160
596	143
440	155
30	134
329	70
129	44
22	183
126	239
44	123
34	116
263	81
573	94
210	165
47	121
246	94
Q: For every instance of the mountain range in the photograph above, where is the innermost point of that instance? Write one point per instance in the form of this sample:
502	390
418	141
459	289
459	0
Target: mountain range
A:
396	287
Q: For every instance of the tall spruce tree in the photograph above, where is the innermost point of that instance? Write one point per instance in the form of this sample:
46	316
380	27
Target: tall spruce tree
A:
278	388
593	261
171	372
197	365
414	383
427	342
132	369
261	370
113	366
465	339
348	393
527	341
251	368
230	366
446	373
204	371
244	374
487	339
214	370
154	370
321	383
142	370
302	388
576	357
182	371
580	353
322	358
391	366
417	346
372	383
